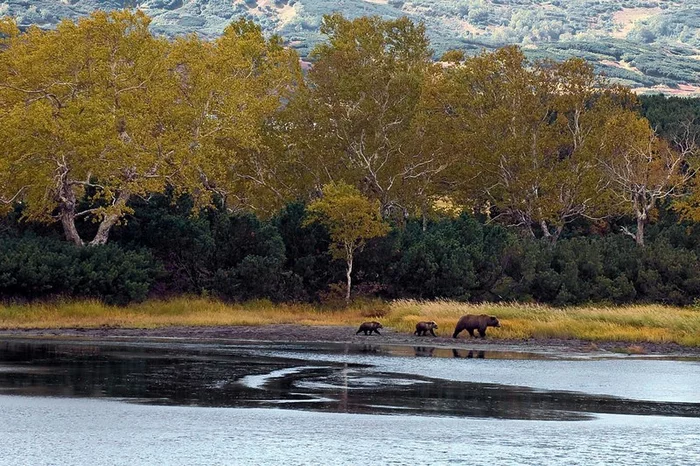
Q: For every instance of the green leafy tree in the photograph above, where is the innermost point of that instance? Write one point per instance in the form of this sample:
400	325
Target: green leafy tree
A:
358	119
86	112
351	220
527	135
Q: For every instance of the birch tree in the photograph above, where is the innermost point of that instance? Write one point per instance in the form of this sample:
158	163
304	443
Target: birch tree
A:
98	112
643	169
526	136
364	94
85	114
351	220
231	92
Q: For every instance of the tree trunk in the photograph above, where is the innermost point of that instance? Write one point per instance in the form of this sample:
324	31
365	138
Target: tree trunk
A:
349	277
103	230
551	237
639	234
110	220
67	204
557	233
424	215
69	229
545	230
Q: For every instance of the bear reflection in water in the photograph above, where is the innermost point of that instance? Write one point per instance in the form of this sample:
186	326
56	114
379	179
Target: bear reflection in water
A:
423	351
427	351
370	349
470	355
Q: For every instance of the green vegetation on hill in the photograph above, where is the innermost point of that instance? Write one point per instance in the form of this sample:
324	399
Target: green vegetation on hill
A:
635	42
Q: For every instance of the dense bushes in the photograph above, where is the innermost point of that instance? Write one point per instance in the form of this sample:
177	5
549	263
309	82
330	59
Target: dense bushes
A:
163	250
458	259
42	267
466	260
235	257
603	269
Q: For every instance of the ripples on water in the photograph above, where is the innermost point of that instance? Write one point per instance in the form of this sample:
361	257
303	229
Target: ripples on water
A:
42	431
464	406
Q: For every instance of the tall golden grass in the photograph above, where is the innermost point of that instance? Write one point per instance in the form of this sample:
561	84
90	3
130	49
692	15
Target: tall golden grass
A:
638	323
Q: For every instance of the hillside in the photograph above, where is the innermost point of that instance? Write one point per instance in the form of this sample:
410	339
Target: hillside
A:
644	44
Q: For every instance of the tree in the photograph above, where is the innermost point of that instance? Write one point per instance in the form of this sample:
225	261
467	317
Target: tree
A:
351	219
526	135
231	91
642	168
86	113
356	121
99	112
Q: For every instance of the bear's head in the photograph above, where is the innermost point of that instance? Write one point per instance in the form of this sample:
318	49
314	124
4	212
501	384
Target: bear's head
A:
493	322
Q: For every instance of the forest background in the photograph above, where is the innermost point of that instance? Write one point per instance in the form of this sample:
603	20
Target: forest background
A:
133	166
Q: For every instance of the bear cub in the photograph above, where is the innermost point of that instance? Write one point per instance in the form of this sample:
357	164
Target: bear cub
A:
369	327
422	328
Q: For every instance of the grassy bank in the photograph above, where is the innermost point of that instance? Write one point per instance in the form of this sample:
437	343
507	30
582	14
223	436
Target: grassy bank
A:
647	323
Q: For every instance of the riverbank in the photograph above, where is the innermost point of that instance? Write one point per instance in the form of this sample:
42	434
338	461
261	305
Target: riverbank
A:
634	329
291	333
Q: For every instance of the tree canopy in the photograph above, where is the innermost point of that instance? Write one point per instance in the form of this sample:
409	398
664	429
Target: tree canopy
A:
100	113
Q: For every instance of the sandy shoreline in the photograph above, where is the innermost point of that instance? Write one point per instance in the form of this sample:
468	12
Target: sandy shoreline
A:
336	334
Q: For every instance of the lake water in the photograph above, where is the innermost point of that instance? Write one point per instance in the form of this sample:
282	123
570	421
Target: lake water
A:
167	402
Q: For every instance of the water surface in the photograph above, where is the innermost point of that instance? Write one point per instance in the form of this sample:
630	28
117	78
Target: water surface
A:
44	431
176	402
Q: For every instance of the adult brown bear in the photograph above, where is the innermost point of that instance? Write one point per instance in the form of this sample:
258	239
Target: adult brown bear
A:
471	322
422	328
369	327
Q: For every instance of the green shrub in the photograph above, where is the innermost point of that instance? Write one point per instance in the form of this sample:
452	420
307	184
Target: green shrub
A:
32	268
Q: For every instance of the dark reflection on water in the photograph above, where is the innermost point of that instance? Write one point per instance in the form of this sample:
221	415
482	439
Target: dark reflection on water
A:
242	376
471	354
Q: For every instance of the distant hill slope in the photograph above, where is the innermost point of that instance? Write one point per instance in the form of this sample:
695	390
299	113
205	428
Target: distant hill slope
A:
643	44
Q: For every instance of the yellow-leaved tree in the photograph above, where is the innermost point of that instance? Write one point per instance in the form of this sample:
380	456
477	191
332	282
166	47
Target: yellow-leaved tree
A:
359	119
351	220
230	92
86	113
528	135
643	169
98	112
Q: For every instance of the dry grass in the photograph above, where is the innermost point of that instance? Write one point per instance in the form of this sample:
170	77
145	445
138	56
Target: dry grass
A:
174	312
639	323
642	323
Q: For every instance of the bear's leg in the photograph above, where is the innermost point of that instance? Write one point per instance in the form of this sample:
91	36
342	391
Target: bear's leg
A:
375	331
471	332
416	332
482	332
358	331
432	333
457	330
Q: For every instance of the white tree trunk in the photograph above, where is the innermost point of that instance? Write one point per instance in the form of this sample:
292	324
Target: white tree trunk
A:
349	276
69	229
110	220
67	213
639	234
67	206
